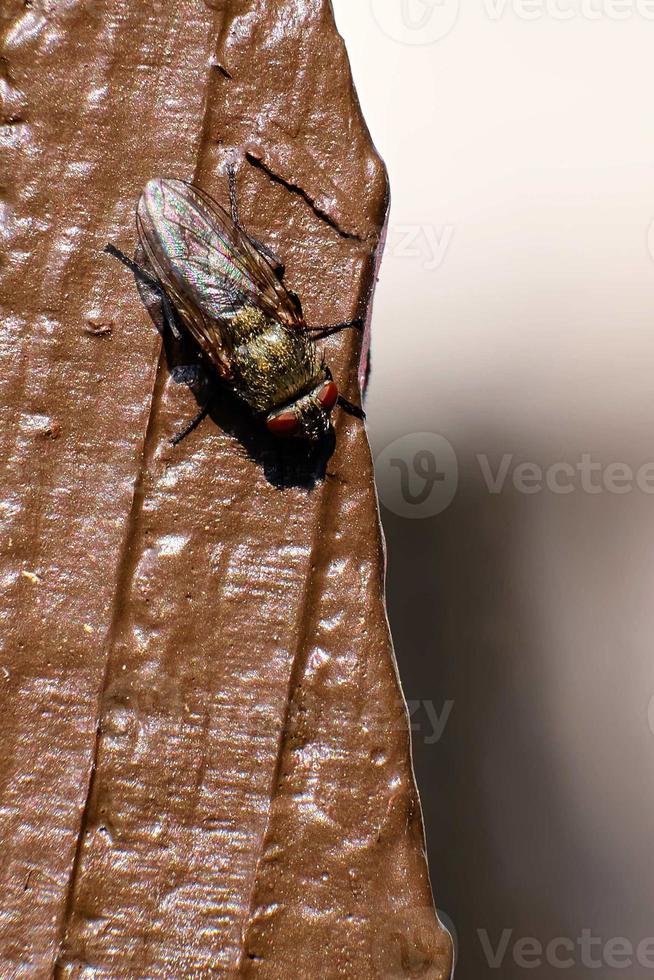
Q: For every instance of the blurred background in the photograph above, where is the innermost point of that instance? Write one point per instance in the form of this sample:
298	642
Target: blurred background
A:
511	413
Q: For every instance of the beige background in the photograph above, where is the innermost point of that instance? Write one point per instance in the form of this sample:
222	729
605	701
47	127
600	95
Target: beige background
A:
514	318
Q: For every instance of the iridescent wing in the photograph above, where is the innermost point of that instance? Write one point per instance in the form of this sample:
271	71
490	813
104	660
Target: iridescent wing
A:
207	265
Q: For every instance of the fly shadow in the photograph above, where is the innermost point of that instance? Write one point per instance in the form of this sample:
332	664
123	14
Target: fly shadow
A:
292	462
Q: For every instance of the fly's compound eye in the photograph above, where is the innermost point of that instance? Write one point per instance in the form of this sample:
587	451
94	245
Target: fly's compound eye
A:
284	424
327	395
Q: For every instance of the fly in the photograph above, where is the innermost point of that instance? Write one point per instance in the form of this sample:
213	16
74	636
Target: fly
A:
225	290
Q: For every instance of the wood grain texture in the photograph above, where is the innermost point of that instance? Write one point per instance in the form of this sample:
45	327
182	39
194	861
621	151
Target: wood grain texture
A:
206	765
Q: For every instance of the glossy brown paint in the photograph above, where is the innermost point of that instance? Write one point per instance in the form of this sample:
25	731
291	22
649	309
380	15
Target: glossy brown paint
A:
205	765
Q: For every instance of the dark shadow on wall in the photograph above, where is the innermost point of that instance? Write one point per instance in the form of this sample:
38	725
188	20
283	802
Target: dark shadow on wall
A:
504	850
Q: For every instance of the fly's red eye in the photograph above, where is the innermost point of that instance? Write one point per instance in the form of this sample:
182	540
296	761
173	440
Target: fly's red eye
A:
284	424
328	395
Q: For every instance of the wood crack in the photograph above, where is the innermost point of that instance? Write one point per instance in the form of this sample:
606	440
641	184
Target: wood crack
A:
306	197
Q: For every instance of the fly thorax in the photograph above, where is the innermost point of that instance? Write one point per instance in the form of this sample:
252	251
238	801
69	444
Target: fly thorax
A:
247	322
274	365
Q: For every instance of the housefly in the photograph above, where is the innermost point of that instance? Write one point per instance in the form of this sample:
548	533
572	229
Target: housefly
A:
226	290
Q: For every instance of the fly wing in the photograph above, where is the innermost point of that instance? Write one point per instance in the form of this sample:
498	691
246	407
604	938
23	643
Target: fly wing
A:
207	265
264	288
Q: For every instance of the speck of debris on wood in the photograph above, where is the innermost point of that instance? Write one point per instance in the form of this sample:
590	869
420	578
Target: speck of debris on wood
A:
52	431
96	327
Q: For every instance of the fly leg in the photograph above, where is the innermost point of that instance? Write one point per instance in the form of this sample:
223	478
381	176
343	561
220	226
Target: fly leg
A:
347	406
184	373
153	284
319	332
268	253
350	408
133	266
277	264
202	414
233	194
